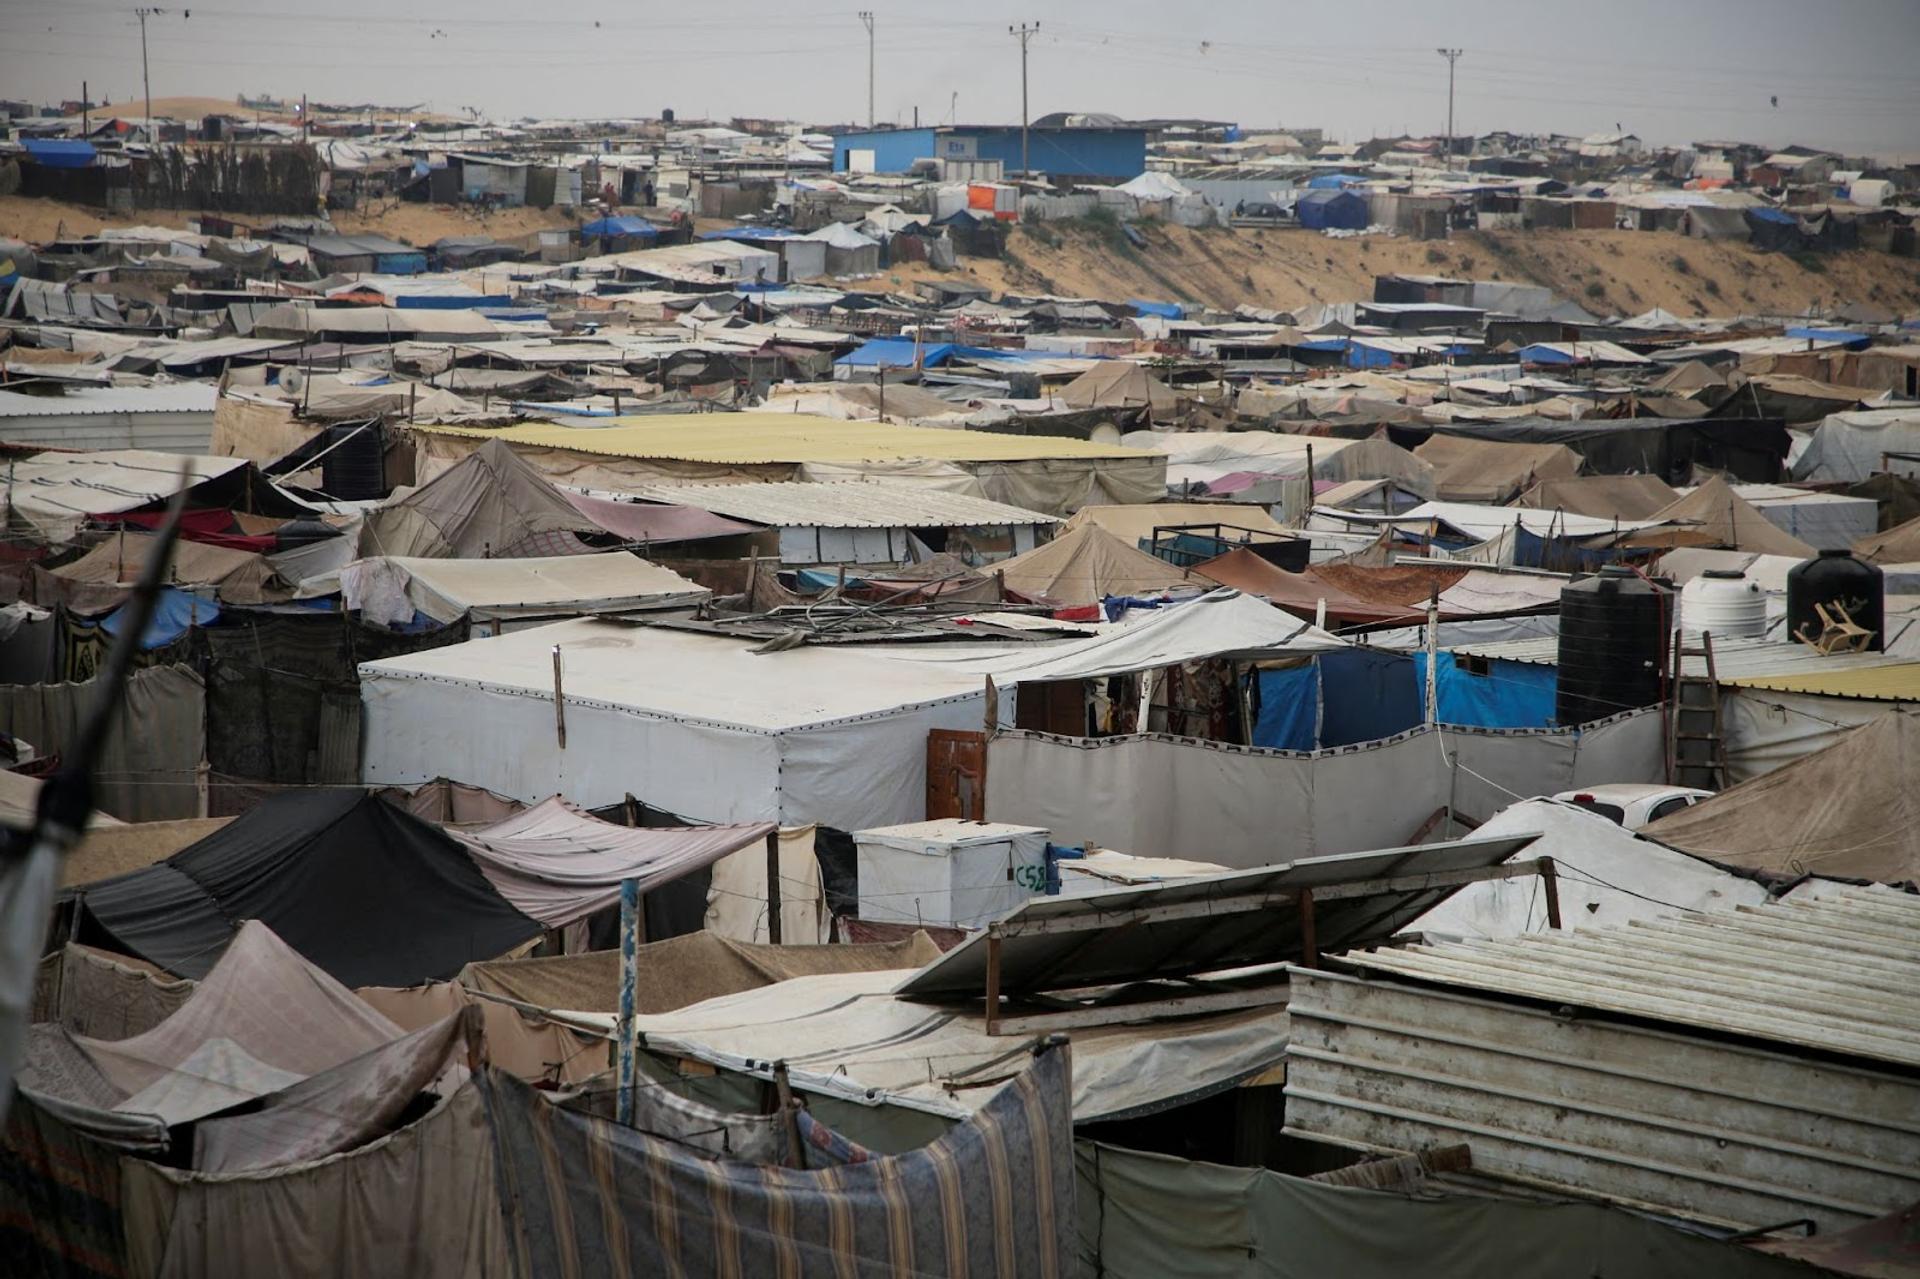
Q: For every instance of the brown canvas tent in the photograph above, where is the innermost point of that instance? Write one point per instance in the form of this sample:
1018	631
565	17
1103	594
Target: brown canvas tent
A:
1851	810
1604	497
1714	515
1468	470
1087	564
1117	384
236	576
1898	545
492	503
1689	377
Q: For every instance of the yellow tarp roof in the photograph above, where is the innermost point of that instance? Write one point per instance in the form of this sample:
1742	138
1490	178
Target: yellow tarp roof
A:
762	438
1891	683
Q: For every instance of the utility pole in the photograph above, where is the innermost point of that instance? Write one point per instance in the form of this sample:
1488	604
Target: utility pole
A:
866	19
146	83
1452	56
1023	33
86	106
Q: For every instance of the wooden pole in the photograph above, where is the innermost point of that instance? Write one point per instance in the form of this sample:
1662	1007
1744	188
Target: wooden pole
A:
773	885
993	980
1550	881
789	1117
559	702
1309	937
629	979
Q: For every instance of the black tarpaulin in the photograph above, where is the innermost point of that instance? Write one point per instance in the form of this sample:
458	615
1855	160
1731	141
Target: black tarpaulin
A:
1749	450
373	895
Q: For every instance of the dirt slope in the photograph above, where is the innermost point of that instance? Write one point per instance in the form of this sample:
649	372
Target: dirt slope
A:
37	221
1623	272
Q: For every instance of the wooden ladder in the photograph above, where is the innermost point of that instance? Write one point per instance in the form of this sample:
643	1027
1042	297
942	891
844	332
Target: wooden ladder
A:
1696	750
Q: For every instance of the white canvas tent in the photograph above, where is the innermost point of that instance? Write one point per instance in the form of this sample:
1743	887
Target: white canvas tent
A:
505	594
696	724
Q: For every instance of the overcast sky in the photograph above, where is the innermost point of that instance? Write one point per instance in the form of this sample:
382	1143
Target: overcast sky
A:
1846	72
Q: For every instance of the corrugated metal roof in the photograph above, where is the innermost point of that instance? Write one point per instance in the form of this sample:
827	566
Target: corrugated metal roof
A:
192	398
1834	973
1758	663
768	438
848	504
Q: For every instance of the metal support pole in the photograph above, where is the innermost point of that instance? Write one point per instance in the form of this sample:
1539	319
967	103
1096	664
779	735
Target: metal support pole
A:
629	979
145	82
773	886
1452	56
1433	657
559	702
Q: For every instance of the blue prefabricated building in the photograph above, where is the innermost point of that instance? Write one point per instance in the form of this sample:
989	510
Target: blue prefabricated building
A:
1059	152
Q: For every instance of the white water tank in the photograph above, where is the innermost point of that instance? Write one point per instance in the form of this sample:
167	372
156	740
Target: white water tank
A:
1724	603
952	873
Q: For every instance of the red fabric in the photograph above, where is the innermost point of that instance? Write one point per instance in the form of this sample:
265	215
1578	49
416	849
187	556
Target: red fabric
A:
215	528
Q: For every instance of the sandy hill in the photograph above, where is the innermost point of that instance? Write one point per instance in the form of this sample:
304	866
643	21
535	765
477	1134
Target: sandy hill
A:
1622	272
37	221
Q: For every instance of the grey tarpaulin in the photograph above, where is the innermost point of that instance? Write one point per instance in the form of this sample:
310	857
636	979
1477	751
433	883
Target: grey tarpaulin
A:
991	1196
146	771
1143	1216
1157	796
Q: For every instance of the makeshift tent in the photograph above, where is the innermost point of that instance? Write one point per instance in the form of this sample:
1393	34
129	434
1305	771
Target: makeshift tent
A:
558	864
619	227
1120	384
53	493
596	1199
645	522
1899	545
1087	564
491	504
113	848
1688	377
391	590
1626	497
1466	470
682	970
695	724
1851	810
1714	515
1849	446
1324	210
106	996
843	1036
1611	876
370	894
261	1018
535	1048
1221	624
235	577
1204	457
1135	524
1360	596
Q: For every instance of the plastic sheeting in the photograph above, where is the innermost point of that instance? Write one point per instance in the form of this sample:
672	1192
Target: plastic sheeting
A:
390	590
1086	564
844	1036
1851	810
1607	876
695	724
737	894
493	503
1143	1216
262	1019
524	1044
104	996
558	865
1169	797
1505	695
991	1196
368	893
146	768
1847	447
419	1203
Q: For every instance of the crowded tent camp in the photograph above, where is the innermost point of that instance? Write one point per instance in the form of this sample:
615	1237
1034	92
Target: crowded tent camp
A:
591	691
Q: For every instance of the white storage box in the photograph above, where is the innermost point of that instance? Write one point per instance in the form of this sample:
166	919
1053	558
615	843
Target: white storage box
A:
952	873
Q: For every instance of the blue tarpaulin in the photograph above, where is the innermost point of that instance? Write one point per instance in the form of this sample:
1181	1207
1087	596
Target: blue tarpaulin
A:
621	225
1541	354
175	612
1507	695
1773	215
751	233
1333	181
897	353
449	301
1366	695
1857	340
60	153
1165	310
1320	210
1289	706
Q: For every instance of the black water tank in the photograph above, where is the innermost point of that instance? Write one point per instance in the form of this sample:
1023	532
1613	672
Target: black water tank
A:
1613	642
1836	577
355	467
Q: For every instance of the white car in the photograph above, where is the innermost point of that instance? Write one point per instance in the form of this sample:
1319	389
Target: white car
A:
1634	805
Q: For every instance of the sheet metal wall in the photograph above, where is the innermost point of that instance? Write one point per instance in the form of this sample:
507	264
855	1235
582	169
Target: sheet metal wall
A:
1708	1130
